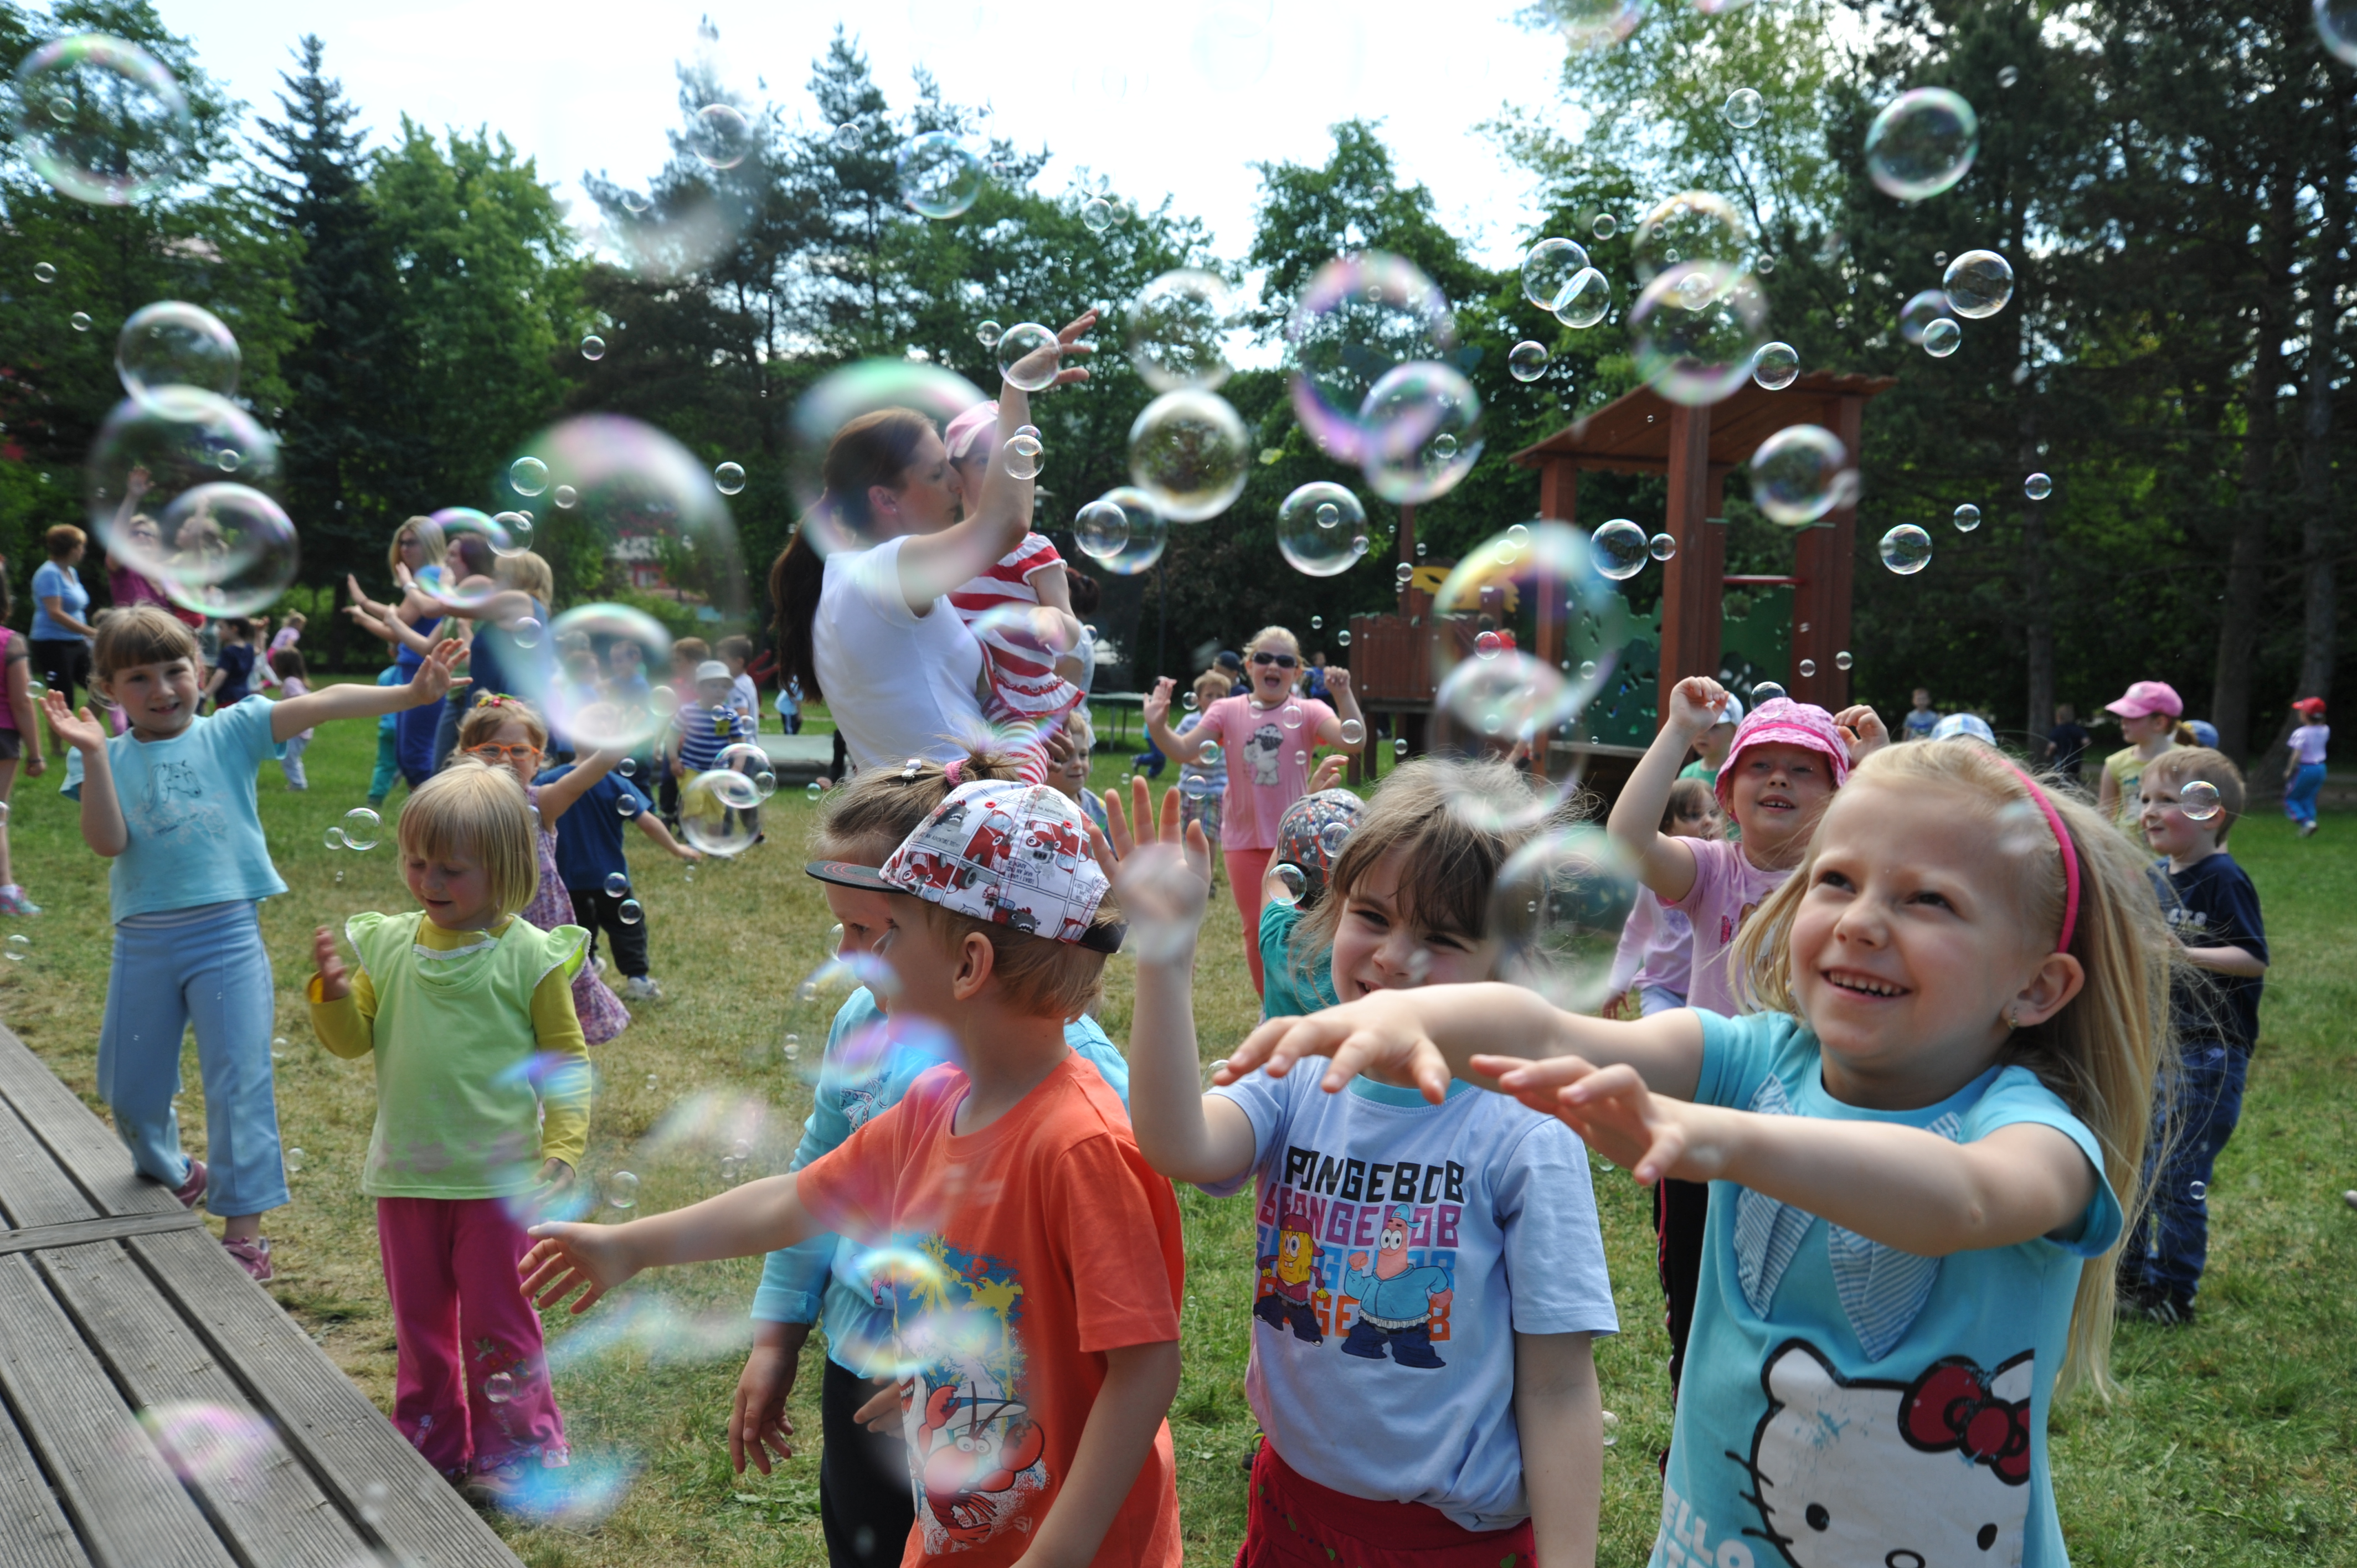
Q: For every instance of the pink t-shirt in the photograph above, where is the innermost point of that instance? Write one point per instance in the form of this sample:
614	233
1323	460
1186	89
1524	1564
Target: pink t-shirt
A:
1268	764
1727	888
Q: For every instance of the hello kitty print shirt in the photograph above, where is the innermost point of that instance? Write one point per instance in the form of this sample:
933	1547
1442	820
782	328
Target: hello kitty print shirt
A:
1845	1402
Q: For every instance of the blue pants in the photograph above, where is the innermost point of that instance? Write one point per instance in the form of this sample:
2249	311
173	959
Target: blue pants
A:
2168	1242
2299	794
1410	1347
215	973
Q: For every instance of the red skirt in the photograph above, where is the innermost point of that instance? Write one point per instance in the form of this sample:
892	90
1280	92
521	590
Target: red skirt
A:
1294	1523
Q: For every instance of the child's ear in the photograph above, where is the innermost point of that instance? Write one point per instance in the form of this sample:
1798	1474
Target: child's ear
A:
976	962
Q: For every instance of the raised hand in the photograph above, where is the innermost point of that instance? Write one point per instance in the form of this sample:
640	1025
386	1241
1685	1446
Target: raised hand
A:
1696	703
1157	702
1329	772
434	680
1862	731
1382	1033
569	1257
1338	681
81	731
335	981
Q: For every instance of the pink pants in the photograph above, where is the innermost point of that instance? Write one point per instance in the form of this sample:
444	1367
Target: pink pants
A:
1246	869
460	1319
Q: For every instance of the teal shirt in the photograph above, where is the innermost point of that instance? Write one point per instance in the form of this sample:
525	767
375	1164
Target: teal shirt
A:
188	808
1290	989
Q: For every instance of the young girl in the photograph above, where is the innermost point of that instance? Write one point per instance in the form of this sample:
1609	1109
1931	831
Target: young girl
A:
505	732
1313	832
2148	712
287	665
2308	743
170	804
20	740
866	1509
1656	952
1918	1149
482	1110
1201	786
232	678
1430	1275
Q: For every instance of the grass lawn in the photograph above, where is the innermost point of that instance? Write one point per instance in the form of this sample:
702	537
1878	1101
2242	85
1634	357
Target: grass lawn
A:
2234	1442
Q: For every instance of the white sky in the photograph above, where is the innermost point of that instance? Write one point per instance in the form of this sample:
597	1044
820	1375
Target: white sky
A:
1175	99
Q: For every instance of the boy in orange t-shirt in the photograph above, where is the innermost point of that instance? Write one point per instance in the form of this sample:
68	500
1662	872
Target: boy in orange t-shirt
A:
1033	1259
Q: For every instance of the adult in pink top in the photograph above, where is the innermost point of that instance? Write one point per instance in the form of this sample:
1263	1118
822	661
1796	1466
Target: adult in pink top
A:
1266	737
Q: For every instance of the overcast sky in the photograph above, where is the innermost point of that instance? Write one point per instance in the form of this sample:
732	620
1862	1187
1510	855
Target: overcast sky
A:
1175	99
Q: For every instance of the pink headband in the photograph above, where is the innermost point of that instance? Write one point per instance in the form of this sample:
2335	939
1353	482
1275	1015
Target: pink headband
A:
2070	858
967	428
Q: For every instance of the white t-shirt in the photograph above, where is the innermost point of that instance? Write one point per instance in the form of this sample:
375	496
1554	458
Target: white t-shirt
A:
745	699
899	684
2308	743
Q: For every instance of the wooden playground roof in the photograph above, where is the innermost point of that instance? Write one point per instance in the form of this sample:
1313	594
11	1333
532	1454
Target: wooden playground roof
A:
1631	435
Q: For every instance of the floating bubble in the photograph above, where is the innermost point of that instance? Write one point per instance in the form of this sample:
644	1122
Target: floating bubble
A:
618	883
102	120
1548	269
1420	425
1291	716
2198	800
1605	226
1342	638
1029	356
729	478
1489	645
170	345
528	476
223	549
566	497
1968	516
361	827
1595	24
1360	316
813	789
1353	732
499	1387
1502	582
1586	300
1743	108
1768	692
1101	529
1189	452
1916	317
1776	366
988	333
1611	1429
1923	141
619	709
1808	668
623	1189
1662	547
1321	529
717	813
1022	457
1527	361
1905	549
720	138
2199	1191
1285	885
1399	746
1621	549
333	839
1506	692
593	348
629	912
2038	487
1557	908
1842	661
211	1445
1977	285
20	948
747	758
941	176
1943	338
2008	75
45	272
1691	227
1797	474
180	438
1176	330
526	632
1210	755
1096	215
1695	331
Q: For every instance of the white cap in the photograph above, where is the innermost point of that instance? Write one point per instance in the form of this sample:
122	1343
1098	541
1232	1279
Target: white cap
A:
1730	712
713	670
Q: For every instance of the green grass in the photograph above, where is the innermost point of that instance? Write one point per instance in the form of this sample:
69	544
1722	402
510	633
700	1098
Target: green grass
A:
2231	1442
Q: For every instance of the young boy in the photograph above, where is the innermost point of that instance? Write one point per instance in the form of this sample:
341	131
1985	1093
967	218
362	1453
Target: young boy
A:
232	678
589	855
1921	720
1033	1263
736	652
2066	742
2213	913
686	655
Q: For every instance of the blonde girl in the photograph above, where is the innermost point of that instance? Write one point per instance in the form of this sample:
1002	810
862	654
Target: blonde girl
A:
417	548
482	1115
1919	1147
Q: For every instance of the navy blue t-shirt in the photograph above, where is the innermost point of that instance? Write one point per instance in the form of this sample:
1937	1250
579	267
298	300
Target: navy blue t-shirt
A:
589	834
2216	907
236	665
2070	744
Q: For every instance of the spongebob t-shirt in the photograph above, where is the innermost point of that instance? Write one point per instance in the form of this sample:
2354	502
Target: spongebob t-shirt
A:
1014	1258
189	804
1847	1402
1402	1246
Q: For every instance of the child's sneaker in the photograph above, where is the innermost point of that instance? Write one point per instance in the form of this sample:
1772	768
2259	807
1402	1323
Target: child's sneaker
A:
190	1191
508	1484
2169	1313
253	1255
642	988
13	902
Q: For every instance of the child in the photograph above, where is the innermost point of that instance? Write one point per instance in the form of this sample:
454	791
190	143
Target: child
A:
289	633
686	655
1921	720
287	665
232	678
2213	913
20	739
2066	742
1443	1260
482	1110
171	805
1711	749
2149	713
1071	750
2308	743
1915	1148
1656	951
590	859
1034	1263
734	651
507	732
1201	785
388	746
865	1504
705	728
789	703
1784	763
1308	837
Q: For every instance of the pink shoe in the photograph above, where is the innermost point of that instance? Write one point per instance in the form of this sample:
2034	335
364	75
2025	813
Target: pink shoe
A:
190	1190
253	1255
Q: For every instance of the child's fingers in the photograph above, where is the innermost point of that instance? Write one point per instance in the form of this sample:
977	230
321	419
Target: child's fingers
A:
1169	833
1516	1073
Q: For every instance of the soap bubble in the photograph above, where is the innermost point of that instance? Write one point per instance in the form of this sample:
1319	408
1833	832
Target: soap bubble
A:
1096	215
1690	227
1502	582
499	1387
1586	300
941	176
1695	331
1342	638
1527	361
1189	451
1029	356
1557	908
1290	716
1360	317
1768	692
1548	269
1905	549
1285	885
1797	474
1321	529
1923	142
211	1445
1943	338
631	649
1353	732
2198	800
1776	366
526	632
170	345
1101	528
1843	661
2038	487
1504	693
2335	24
729	478
746	760
566	497
720	138
80	321
640	497
1915	316
1421	426
1662	547
1605	226
717	813
102	120
593	348
1978	284
361	827
629	912
180	438
333	839
1743	108
1022	458
1210	755
623	1189
20	946
1621	549
1595	24
1968	516
1176	329
837	399
225	549
528	476
1148	531
618	883
1808	668
1399	746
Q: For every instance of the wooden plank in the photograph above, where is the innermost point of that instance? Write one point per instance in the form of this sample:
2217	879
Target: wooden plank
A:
260	1497
126	1503
34	1189
343	1439
40	1238
88	1149
33	1529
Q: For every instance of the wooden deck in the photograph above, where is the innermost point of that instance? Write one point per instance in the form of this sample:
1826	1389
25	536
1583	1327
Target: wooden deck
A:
257	1452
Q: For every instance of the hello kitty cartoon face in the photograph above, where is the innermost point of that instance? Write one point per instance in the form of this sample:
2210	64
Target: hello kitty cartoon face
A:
1929	1474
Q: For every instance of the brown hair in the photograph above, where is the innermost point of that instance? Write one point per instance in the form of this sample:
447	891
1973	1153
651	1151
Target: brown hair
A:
735	646
482	813
873	449
288	661
2183	765
490	711
690	651
1037	976
141	635
60	540
863	822
1688	798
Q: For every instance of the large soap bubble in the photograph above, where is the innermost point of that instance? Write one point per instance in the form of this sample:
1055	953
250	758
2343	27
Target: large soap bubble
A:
474	543
1798	474
1586	299
1548	269
1176	329
941	174
1695	329
1028	359
1556	910
1594	24
1692	226
1501	588
225	549
1360	317
718	812
614	701
100	119
1508	695
190	438
1321	529
1916	317
1978	284
1143	533
168	345
1421	424
837	399
2335	24
1189	451
720	138
1922	143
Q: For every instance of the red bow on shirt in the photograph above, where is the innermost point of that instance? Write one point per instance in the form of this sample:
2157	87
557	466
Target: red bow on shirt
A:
1951	1406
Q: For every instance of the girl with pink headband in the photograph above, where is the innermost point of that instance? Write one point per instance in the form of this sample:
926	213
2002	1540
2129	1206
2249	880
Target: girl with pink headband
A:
1920	1138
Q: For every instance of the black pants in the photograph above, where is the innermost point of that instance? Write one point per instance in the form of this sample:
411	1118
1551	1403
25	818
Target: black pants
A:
63	663
595	910
1681	1215
864	1502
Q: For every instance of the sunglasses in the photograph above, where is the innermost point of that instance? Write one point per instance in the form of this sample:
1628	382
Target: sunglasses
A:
1282	661
503	753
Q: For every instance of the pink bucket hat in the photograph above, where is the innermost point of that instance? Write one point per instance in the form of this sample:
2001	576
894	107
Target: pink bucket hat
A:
1780	720
2148	697
969	427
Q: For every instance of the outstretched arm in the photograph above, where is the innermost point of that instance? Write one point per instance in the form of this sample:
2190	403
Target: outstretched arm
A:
652	826
1664	863
759	1216
557	798
433	678
1346	710
103	827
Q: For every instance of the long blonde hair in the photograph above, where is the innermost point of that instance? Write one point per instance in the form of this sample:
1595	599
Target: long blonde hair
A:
2108	1048
429	534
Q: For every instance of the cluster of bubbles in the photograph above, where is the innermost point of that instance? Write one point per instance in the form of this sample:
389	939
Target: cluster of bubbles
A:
360	830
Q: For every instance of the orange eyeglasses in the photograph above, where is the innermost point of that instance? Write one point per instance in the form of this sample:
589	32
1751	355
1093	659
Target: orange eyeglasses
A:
496	753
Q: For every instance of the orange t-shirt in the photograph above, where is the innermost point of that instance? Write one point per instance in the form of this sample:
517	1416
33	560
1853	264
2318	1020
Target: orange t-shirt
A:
1015	1257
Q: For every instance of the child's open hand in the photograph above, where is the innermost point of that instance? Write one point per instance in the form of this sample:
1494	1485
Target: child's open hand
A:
81	731
1696	703
1156	706
1381	1035
568	1256
1862	731
335	984
1329	772
1162	877
1614	1114
1067	343
434	678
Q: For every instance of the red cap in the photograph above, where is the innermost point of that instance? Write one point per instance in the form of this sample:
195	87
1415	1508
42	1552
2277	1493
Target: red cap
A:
2308	705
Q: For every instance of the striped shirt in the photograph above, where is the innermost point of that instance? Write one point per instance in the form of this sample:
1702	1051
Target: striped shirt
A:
700	734
1021	670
